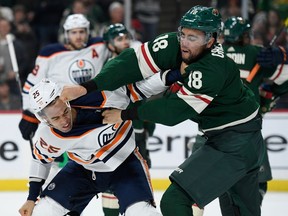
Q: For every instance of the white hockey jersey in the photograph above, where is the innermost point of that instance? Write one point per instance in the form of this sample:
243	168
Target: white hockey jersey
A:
64	66
96	146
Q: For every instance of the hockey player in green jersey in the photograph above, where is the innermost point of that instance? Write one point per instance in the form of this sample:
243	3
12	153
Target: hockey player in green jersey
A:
213	96
237	46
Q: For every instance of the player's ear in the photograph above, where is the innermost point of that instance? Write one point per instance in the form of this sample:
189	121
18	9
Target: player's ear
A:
111	47
210	43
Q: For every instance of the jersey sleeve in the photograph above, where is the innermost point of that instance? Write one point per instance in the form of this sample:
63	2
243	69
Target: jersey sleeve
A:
39	72
38	170
280	80
131	66
121	97
146	88
168	110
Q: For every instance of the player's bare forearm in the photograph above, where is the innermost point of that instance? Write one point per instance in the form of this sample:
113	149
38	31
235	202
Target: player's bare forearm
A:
72	92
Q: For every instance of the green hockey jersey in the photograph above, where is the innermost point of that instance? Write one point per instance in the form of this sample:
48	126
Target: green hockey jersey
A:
245	58
212	94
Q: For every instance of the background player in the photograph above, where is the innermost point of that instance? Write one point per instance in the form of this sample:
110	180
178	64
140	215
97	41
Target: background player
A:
76	61
117	38
236	34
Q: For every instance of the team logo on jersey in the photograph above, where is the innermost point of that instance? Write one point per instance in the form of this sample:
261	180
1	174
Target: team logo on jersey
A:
215	12
81	71
106	135
51	186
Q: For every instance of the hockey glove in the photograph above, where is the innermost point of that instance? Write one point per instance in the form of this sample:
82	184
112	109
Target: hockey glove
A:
28	124
168	77
272	56
267	99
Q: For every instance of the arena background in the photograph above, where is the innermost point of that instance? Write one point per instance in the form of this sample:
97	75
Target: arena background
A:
168	149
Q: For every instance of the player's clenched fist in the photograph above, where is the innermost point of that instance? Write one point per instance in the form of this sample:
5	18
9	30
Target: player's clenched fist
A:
112	116
72	92
27	208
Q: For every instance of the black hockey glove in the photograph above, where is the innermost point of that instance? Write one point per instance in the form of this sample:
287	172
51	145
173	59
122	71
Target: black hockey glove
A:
272	56
28	124
170	76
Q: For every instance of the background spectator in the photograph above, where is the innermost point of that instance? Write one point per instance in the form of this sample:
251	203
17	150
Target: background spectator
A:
47	16
7	73
274	25
147	12
116	14
25	34
8	100
6	13
90	10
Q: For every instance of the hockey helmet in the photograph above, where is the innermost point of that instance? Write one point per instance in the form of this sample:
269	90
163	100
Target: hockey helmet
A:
114	30
42	94
74	21
206	19
234	28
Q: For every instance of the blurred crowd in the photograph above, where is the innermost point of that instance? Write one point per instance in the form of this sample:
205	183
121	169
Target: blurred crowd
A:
36	23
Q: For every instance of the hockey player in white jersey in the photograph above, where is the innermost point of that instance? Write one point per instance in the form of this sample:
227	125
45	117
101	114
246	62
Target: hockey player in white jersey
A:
102	156
76	61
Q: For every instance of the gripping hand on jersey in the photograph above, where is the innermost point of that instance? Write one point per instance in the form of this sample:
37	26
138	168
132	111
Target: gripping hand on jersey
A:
28	124
169	77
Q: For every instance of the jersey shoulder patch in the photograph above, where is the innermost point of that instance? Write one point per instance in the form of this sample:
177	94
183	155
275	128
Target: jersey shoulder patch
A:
95	40
51	49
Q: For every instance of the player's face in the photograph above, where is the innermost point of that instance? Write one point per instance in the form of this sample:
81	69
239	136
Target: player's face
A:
77	38
121	43
246	38
192	43
59	116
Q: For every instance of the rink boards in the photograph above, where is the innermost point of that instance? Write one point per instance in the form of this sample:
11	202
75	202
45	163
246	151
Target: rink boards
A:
168	149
